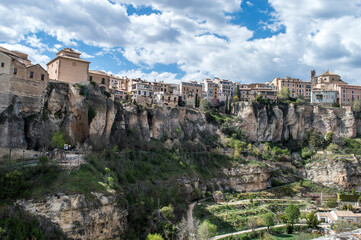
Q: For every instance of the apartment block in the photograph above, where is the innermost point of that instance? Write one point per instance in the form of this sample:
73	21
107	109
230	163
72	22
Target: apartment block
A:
226	89
295	86
210	89
189	91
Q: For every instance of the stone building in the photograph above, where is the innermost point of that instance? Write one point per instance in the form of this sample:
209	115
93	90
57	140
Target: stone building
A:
189	91
295	86
101	78
17	64
348	94
68	67
251	91
142	92
210	89
330	88
168	99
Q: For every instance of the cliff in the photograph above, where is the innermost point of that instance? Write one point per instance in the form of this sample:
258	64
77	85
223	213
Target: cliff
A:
68	107
105	217
334	170
291	122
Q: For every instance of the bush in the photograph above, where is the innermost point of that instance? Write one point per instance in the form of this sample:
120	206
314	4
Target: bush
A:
168	211
306	153
315	139
58	139
206	230
155	236
231	131
332	203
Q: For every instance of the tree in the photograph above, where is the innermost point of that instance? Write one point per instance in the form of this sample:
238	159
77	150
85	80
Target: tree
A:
292	213
356	106
226	106
332	203
284	93
206	230
204	104
311	220
58	139
238	92
155	236
315	139
359	200
268	220
235	99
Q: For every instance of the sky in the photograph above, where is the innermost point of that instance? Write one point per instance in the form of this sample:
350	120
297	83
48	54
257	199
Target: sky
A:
181	40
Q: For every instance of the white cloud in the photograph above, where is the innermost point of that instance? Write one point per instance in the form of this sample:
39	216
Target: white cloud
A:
197	36
33	54
249	4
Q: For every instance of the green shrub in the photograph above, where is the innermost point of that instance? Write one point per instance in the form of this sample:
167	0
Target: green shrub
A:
155	236
168	212
58	139
306	153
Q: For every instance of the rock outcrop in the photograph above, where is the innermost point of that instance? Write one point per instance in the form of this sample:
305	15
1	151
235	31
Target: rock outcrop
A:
105	217
337	171
290	122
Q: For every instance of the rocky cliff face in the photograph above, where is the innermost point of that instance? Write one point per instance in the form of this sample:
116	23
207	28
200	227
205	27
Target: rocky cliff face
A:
105	217
62	106
338	171
290	122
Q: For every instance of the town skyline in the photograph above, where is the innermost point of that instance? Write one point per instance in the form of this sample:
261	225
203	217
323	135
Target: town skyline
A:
242	41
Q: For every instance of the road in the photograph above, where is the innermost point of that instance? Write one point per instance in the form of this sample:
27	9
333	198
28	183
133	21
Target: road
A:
250	230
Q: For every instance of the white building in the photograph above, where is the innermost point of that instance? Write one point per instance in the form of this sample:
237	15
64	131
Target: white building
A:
334	216
226	89
324	96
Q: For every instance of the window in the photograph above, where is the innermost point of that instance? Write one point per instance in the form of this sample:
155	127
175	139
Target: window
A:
2	64
42	77
103	80
31	74
91	78
15	70
139	92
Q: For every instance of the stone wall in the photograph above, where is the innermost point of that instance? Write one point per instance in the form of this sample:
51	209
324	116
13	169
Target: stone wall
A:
30	93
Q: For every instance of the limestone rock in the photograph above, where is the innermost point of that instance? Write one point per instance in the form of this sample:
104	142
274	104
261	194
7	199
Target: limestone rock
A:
79	218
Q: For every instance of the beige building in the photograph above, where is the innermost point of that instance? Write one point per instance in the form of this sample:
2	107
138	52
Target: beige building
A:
295	86
168	99
68	67
189	91
142	92
101	78
17	64
251	91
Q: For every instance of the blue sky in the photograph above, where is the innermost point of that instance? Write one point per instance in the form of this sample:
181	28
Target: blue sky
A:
172	40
